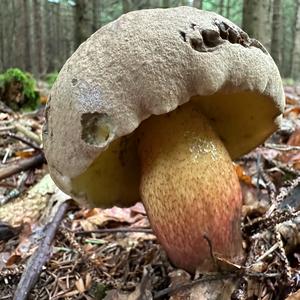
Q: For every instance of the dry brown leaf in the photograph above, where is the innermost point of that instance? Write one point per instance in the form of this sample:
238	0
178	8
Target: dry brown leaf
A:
292	113
101	217
242	174
88	281
291	158
80	285
294	296
138	208
294	139
25	153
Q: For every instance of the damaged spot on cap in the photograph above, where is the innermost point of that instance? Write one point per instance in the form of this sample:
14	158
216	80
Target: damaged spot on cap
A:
237	36
211	38
74	81
97	128
201	40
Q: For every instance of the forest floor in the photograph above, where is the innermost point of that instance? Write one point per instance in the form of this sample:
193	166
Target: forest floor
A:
52	249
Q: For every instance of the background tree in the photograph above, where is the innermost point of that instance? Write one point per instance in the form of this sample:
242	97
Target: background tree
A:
39	35
276	32
96	15
197	3
256	20
84	20
296	52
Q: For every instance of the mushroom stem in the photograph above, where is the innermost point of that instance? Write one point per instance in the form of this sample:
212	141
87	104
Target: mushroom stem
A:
190	189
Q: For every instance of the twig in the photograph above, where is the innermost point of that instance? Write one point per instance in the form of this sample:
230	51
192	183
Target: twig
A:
41	256
7	128
272	249
34	137
14	193
115	230
19	138
283	257
281	147
264	223
270	186
70	237
283	193
6	155
22	165
282	166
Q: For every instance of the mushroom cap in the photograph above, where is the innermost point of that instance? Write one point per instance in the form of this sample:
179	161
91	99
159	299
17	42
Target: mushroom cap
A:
149	62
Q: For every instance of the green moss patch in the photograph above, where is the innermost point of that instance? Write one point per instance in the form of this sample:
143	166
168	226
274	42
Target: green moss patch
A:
18	90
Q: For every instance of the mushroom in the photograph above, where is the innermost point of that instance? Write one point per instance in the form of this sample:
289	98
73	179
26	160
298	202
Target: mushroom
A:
154	106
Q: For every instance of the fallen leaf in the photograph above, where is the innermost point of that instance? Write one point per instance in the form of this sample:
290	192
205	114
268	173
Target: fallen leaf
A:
292	113
294	296
80	285
25	153
242	174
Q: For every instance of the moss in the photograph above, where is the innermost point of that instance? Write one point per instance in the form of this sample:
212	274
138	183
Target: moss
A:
26	86
50	78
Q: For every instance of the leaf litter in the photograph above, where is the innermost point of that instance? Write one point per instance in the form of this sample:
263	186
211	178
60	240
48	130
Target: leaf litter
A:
113	254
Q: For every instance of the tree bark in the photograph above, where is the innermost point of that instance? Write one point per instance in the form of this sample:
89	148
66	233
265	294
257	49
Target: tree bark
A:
256	20
39	36
228	7
221	7
29	53
296	52
197	4
126	6
84	20
165	3
276	32
96	15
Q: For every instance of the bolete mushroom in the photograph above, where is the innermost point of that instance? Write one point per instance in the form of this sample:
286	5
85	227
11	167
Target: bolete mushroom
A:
154	106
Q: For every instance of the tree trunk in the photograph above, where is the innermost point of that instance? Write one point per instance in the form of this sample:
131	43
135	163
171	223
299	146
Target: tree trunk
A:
126	6
39	36
256	20
2	8
228	7
29	51
96	15
197	3
276	32
296	52
221	7
165	3
84	20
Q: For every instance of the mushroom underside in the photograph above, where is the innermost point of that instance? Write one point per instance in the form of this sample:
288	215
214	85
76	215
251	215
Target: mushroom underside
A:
242	120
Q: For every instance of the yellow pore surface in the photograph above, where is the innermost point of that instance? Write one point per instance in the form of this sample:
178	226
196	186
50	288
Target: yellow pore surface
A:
242	121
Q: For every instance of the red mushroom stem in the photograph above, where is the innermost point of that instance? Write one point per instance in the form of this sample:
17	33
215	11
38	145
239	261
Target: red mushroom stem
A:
190	189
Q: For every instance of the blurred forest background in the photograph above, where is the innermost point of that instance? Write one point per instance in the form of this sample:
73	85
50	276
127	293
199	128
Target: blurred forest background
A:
39	35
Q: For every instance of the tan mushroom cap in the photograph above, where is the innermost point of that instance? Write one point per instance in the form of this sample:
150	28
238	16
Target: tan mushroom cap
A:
149	62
